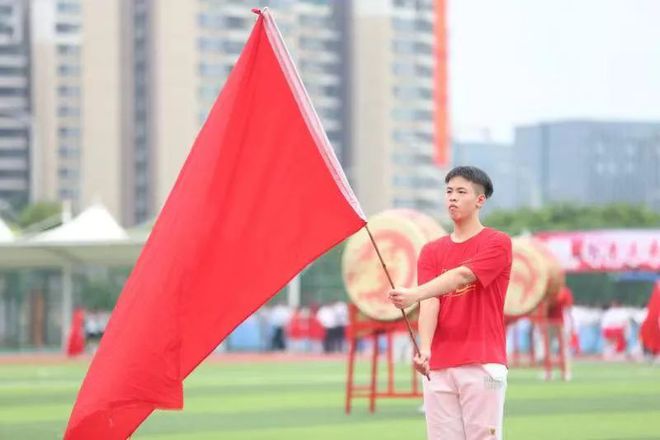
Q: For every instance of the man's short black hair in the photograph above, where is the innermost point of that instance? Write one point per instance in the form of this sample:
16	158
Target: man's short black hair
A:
474	175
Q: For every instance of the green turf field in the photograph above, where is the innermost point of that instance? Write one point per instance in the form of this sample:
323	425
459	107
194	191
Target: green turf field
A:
305	401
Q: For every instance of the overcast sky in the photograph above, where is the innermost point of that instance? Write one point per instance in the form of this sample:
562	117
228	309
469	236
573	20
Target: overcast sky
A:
523	61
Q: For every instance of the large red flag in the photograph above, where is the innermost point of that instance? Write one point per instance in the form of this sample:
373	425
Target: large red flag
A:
260	196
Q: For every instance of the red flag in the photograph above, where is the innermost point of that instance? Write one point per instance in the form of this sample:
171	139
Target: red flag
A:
260	196
76	341
649	332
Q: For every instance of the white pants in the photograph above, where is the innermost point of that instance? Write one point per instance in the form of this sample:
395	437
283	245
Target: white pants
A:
466	402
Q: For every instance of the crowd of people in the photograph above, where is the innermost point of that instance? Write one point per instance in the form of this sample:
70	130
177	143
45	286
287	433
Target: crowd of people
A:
316	329
615	332
612	332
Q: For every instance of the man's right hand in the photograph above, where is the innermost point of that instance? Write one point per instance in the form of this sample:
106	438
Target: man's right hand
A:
421	362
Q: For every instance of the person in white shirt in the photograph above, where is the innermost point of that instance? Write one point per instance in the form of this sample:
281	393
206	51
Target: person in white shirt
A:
279	318
615	326
328	319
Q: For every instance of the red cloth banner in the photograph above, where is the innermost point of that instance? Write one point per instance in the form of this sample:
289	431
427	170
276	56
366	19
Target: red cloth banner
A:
259	197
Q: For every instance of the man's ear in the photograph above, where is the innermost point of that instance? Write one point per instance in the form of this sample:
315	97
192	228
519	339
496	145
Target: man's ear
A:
481	199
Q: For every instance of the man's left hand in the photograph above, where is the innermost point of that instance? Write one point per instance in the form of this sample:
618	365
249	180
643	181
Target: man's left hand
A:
403	297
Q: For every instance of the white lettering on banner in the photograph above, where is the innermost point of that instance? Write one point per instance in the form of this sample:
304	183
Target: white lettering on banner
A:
605	250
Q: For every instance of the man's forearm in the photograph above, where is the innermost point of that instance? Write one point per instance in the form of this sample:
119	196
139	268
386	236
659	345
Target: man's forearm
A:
446	283
428	320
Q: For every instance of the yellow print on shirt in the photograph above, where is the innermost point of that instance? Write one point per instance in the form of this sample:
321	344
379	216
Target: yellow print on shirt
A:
468	288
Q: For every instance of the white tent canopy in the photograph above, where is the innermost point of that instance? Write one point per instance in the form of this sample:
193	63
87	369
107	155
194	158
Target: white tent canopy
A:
93	237
94	224
5	233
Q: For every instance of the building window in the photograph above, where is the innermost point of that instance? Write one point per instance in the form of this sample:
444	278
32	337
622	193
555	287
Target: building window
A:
235	23
68	152
12	50
317	67
68	70
423	115
220	45
12	132
13	174
401	24
424	25
69	132
423	48
68	91
67	28
410	92
14	154
403	47
68	8
65	110
66	49
213	70
6	30
317	44
315	21
19	71
68	193
425	71
403	114
208	92
403	69
211	21
13	92
67	173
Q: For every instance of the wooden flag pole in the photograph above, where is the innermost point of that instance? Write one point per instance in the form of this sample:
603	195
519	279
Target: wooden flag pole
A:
389	278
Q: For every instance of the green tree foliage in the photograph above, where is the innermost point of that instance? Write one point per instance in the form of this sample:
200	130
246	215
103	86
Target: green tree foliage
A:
38	212
565	216
322	281
101	292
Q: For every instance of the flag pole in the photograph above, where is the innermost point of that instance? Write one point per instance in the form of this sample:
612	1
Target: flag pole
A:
389	278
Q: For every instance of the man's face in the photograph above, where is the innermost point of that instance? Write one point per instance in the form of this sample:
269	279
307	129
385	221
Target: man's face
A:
463	198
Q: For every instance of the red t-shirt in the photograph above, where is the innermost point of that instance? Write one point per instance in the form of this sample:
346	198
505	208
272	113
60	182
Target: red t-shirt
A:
470	327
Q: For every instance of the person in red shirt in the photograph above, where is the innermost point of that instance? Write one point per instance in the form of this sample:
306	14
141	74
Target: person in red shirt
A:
561	326
462	282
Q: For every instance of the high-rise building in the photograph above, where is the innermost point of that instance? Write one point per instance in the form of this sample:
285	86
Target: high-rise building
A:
498	161
393	94
314	34
151	70
15	120
56	46
121	87
589	162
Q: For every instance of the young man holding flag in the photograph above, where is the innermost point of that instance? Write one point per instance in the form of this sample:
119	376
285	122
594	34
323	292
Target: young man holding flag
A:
463	278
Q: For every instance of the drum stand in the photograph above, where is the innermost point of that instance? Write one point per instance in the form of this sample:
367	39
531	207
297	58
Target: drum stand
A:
545	326
361	327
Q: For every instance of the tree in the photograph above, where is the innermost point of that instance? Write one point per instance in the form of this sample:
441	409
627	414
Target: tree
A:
39	212
566	216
